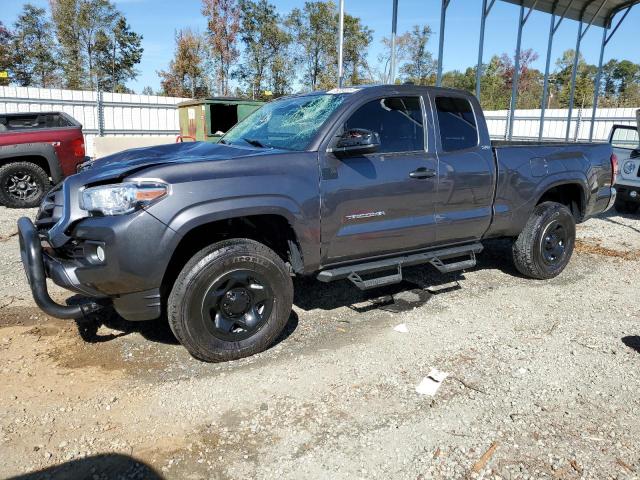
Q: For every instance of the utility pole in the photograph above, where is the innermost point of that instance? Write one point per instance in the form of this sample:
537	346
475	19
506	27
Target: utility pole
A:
340	44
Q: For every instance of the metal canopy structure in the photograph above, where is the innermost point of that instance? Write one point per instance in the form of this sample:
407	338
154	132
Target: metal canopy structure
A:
579	9
588	13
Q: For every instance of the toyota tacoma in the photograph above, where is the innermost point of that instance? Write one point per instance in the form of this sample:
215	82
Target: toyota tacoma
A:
352	183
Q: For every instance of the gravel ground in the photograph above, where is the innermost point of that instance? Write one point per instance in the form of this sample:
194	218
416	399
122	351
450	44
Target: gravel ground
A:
543	380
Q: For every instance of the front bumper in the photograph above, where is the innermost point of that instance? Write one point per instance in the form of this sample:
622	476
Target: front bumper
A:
625	193
128	279
32	260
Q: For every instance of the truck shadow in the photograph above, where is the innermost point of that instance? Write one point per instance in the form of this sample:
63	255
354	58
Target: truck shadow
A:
633	342
108	465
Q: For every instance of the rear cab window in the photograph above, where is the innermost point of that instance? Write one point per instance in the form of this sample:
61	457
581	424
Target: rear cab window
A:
397	120
32	121
457	123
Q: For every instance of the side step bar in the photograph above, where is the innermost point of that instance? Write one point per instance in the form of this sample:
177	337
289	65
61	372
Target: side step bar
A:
434	257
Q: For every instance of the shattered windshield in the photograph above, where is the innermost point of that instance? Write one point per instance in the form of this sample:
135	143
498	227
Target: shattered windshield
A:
289	123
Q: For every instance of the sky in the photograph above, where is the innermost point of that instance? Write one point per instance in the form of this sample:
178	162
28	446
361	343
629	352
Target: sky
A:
157	21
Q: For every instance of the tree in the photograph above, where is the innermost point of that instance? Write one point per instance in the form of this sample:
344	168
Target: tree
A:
33	45
357	38
223	23
315	31
117	56
186	74
86	31
265	62
420	64
65	15
584	80
382	73
5	52
528	79
147	91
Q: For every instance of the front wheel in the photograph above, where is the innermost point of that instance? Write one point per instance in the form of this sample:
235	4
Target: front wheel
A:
544	247
231	300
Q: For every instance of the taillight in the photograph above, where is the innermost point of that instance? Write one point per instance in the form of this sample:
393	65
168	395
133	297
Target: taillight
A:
78	147
614	168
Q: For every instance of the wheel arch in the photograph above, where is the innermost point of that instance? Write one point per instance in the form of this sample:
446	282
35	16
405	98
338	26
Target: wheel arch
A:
271	228
572	194
41	154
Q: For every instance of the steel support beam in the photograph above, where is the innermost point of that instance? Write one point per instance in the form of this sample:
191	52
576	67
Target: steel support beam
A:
486	9
394	31
443	18
596	91
553	28
516	69
340	44
582	31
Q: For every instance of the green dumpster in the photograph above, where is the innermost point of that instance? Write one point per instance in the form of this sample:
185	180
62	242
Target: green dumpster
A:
207	119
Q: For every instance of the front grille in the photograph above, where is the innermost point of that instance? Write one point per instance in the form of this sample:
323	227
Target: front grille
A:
51	210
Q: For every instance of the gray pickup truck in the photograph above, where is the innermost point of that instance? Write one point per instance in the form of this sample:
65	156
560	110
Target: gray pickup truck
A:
352	183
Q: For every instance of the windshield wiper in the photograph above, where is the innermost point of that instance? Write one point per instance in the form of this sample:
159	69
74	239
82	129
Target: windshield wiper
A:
255	143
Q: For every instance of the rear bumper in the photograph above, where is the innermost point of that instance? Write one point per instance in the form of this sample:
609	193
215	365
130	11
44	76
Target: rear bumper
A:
612	199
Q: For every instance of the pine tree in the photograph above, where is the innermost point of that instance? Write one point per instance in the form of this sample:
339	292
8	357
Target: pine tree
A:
34	63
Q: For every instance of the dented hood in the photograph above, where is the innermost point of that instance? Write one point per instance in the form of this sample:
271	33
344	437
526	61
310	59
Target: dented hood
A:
123	163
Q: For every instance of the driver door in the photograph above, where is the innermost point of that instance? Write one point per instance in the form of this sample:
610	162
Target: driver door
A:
380	203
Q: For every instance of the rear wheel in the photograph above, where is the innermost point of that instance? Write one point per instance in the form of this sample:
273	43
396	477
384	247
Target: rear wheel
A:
22	185
231	300
544	247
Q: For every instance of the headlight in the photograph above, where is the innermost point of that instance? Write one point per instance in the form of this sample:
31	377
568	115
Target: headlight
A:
629	167
121	198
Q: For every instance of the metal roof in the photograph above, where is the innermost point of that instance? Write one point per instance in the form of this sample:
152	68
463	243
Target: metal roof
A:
598	12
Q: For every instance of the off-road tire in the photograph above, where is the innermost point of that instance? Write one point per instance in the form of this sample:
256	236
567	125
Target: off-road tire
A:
528	248
201	271
38	177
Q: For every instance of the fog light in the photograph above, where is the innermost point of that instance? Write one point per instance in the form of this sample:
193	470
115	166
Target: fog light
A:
633	194
100	253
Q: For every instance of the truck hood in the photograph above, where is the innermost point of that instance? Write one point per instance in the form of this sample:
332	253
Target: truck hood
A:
126	162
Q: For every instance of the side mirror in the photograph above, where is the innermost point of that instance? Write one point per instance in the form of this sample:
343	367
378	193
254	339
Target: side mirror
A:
357	141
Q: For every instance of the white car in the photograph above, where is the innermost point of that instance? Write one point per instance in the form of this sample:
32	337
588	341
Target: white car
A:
625	141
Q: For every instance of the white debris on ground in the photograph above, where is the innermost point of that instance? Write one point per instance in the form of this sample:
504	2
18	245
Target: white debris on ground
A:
431	383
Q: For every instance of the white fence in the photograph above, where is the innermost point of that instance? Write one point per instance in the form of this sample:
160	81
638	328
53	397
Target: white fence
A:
128	115
122	114
526	123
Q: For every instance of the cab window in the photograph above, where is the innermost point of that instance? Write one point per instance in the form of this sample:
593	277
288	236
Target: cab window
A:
458	129
397	120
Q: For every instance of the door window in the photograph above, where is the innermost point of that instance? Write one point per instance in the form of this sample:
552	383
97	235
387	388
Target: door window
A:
458	129
397	120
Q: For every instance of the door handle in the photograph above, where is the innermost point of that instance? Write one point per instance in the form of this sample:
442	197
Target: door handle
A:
423	172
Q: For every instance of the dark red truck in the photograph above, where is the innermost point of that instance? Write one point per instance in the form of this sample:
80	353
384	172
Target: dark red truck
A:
37	149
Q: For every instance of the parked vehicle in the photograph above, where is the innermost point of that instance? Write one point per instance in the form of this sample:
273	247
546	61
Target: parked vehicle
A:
626	145
352	183
36	150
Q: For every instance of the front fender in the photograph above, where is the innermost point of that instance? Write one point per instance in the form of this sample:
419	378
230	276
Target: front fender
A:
306	229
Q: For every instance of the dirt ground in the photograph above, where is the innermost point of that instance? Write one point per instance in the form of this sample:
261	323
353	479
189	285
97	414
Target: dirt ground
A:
543	380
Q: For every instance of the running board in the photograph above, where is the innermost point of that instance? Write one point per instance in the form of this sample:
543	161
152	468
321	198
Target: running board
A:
434	257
